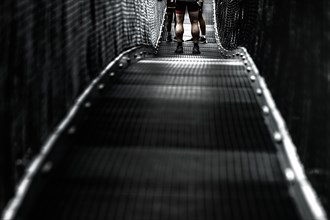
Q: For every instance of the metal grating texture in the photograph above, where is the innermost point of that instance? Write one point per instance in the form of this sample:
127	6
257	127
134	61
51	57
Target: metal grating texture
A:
170	137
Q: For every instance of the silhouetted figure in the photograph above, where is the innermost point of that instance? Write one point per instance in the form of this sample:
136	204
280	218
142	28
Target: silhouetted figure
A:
202	24
170	11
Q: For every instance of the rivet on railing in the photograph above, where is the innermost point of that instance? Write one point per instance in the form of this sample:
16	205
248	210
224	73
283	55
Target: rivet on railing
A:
112	74
121	66
88	105
259	92
72	130
289	174
277	137
101	87
47	167
249	69
253	78
265	110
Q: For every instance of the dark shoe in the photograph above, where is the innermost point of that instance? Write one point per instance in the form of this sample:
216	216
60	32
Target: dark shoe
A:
196	50
179	49
202	40
191	39
169	38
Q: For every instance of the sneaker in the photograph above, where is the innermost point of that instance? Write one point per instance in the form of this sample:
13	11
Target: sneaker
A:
169	38
196	50
179	49
191	39
202	40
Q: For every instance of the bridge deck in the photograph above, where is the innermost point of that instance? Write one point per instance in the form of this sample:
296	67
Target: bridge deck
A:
171	137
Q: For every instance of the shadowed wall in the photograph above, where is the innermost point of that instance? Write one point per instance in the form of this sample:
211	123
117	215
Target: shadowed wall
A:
289	42
50	52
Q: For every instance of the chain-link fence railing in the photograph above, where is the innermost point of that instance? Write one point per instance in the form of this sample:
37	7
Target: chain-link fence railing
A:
50	52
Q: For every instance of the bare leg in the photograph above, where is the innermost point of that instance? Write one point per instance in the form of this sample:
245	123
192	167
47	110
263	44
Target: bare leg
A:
194	25
179	27
202	23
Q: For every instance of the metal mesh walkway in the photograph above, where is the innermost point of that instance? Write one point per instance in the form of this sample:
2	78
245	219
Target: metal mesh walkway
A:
171	140
171	137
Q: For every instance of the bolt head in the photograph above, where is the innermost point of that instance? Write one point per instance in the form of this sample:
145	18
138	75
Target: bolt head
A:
253	78
289	174
265	110
47	167
259	92
72	130
112	74
101	87
249	69
277	137
88	105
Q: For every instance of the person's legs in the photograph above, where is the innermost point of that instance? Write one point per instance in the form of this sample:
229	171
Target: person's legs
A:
193	15
201	19
202	24
169	14
179	27
180	11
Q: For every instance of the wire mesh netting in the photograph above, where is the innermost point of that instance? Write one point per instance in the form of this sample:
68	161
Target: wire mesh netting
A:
50	51
170	137
289	41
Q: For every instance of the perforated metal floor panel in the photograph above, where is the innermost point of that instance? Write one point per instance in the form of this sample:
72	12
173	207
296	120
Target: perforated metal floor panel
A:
172	137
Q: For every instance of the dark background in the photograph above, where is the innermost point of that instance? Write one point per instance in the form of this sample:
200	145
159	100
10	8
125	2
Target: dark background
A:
289	41
51	50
